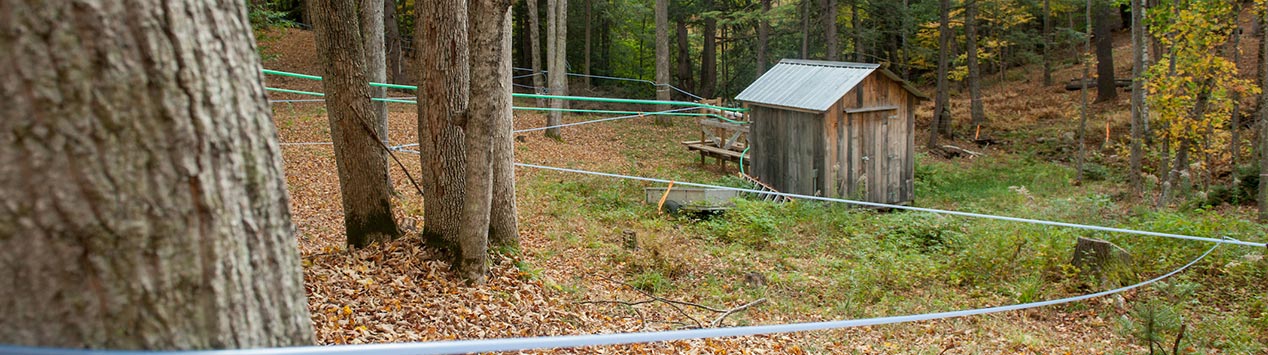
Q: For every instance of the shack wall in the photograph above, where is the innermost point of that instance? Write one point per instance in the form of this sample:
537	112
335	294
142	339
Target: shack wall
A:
787	149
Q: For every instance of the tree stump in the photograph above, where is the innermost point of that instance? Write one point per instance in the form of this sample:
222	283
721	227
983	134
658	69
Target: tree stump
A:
1110	264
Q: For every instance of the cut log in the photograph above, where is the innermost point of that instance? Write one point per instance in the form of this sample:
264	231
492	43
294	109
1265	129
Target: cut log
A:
1074	85
1109	264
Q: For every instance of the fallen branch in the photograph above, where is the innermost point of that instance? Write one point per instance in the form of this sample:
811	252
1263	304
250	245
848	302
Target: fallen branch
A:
676	305
718	321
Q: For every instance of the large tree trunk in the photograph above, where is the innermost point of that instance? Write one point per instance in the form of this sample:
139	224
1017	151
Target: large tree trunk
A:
830	29
684	58
444	92
709	54
359	152
941	113
392	40
144	199
763	38
1047	43
1105	86
1140	53
375	61
557	67
534	36
490	83
662	59
503	223
975	73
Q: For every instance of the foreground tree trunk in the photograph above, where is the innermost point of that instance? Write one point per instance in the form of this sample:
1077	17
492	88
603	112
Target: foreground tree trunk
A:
444	91
1105	86
503	223
1263	119
662	59
359	152
144	202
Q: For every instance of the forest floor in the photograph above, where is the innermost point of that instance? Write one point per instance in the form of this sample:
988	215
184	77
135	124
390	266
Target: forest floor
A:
809	261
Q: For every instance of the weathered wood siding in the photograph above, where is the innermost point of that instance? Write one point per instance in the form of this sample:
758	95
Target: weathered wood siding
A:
788	149
856	155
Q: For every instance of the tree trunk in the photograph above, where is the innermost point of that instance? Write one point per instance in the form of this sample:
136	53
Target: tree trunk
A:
392	40
144	201
491	85
857	24
1235	96
503	225
444	93
1047	43
534	36
372	34
941	113
1263	119
684	58
763	38
361	158
557	67
805	29
1182	154
1083	108
830	28
1105	88
586	66
662	59
1138	105
709	54
975	74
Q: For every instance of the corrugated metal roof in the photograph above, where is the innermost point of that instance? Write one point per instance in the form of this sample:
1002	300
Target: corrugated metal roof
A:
806	84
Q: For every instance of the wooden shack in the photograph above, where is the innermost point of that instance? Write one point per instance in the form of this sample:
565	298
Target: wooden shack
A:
833	129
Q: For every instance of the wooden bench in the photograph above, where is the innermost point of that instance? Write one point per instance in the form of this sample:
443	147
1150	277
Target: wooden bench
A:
720	140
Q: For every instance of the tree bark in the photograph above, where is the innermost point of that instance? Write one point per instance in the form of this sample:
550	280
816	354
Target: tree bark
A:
372	33
684	58
534	36
503	223
1263	119
662	59
857	29
830	29
1047	43
1235	118
359	153
941	113
444	94
1140	110
1083	108
557	67
763	38
805	29
1105	87
144	200
709	54
392	40
975	73
586	64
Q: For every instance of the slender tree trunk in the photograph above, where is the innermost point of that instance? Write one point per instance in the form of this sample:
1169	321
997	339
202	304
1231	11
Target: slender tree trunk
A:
1263	119
1236	96
1083	108
361	158
534	36
662	58
857	24
1047	43
805	29
684	58
1139	108
709	55
503	223
586	66
372	33
975	73
1106	89
144	201
763	38
941	113
392	40
557	68
1182	154
830	29
444	93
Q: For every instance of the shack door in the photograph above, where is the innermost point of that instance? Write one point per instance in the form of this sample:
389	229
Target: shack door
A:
879	168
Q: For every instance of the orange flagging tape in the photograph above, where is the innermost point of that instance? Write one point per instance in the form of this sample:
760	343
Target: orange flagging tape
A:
663	197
